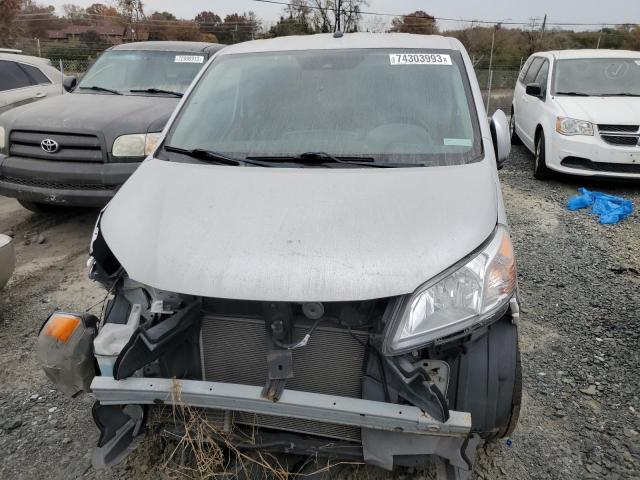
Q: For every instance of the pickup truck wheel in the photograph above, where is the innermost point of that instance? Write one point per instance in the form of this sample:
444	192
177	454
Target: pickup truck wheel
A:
38	207
515	139
540	169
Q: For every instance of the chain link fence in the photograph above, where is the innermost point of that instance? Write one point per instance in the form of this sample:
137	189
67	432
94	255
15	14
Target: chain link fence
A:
501	82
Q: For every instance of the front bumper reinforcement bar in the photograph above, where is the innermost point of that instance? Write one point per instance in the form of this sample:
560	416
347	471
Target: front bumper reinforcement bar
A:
309	406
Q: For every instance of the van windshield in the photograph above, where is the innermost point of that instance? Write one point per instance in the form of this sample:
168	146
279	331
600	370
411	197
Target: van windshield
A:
598	77
413	107
124	70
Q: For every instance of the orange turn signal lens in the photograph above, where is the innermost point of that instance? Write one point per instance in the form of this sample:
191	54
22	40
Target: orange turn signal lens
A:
61	326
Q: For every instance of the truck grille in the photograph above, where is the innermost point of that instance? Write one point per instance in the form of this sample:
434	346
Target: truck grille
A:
234	351
621	135
32	182
73	147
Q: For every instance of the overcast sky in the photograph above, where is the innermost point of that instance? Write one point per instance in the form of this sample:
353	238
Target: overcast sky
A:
565	11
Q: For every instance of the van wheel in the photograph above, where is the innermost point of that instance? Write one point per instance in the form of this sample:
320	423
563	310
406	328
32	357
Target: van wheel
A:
540	170
37	207
516	401
515	139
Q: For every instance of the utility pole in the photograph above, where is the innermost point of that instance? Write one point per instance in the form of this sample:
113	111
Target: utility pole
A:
40	52
493	41
544	24
599	37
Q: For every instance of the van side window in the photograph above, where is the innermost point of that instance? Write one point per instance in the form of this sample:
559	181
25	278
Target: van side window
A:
533	70
541	77
37	77
12	76
525	67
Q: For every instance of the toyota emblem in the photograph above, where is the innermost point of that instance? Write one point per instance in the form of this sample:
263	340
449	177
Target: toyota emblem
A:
49	145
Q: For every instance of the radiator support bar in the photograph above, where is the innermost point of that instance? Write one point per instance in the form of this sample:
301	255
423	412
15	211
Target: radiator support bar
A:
310	406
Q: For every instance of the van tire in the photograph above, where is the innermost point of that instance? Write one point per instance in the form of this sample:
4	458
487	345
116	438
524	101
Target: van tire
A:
516	402
515	139
540	169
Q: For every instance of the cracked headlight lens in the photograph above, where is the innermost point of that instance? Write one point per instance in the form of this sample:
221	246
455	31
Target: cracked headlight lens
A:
572	126
460	299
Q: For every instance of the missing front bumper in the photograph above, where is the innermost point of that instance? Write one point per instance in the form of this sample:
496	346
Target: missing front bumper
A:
309	406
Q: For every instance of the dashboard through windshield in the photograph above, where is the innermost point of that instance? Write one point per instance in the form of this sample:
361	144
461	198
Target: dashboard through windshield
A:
409	106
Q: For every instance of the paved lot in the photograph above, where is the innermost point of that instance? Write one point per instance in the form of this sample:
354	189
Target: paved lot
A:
580	288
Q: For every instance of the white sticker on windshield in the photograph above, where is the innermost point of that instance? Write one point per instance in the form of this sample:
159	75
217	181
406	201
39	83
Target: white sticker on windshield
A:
419	59
638	62
189	59
458	142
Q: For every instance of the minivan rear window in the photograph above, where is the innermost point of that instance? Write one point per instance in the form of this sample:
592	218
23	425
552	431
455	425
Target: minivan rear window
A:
412	106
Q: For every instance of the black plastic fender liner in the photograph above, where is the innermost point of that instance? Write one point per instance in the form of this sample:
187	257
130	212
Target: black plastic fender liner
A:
120	430
150	343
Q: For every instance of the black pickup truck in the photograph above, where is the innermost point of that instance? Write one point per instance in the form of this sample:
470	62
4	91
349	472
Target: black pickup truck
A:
77	149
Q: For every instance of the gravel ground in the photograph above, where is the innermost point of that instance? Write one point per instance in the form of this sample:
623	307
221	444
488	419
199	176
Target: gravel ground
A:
579	284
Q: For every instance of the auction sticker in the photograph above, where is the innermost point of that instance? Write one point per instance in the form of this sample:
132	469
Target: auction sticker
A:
189	59
419	59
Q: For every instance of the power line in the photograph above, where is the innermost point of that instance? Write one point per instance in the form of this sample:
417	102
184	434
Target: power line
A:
444	19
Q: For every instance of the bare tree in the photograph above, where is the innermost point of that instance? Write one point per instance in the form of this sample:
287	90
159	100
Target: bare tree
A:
331	14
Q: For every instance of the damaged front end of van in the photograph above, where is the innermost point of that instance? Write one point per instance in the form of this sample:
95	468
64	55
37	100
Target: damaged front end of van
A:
345	312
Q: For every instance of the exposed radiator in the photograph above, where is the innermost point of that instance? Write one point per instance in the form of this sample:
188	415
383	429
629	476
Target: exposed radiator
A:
234	351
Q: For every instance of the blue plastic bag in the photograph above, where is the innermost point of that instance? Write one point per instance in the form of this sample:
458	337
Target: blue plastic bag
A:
610	208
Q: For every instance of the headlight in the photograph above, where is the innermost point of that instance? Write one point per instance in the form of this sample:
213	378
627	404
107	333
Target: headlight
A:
457	301
571	126
135	145
2	139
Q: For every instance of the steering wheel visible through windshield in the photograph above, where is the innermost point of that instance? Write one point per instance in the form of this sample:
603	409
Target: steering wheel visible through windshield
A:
127	70
411	106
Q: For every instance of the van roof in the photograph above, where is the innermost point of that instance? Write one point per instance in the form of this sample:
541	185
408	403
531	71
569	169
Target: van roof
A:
170	46
327	41
592	53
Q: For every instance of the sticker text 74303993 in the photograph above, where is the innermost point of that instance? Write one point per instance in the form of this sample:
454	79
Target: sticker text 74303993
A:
419	59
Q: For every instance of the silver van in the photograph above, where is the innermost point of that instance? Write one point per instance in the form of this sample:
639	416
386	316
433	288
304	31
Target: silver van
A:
317	252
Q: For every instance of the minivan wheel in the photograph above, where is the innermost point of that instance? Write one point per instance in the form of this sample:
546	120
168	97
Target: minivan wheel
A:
37	207
515	139
540	170
516	401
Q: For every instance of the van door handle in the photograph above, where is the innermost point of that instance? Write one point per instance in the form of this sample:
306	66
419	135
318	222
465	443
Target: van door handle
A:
40	95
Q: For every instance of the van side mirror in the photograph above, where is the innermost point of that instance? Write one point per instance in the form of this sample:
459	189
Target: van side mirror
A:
69	82
534	89
500	137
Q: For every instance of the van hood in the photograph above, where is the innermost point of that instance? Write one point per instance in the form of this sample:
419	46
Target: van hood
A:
602	110
297	234
110	115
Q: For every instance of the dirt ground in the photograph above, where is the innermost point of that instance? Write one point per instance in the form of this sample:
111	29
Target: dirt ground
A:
580	288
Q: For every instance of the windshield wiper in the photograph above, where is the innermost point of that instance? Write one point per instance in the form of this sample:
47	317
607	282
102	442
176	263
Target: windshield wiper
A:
213	157
156	90
323	158
97	88
574	94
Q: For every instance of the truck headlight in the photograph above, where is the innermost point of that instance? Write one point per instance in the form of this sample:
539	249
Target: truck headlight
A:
3	140
135	144
572	126
456	301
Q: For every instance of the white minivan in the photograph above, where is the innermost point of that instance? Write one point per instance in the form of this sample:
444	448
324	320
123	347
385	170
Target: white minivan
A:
578	111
